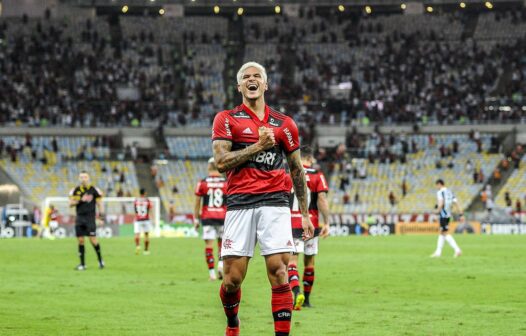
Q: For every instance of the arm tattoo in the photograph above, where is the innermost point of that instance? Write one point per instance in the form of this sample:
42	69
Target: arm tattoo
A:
226	159
297	173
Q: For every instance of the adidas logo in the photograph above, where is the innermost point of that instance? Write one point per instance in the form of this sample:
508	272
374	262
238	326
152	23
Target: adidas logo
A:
289	243
247	131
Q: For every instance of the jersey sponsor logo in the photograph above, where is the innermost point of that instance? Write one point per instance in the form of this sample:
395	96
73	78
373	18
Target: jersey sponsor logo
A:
289	137
227	128
264	157
248	131
87	198
275	122
240	114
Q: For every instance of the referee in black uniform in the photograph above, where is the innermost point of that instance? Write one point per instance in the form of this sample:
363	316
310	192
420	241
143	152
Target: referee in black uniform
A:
85	198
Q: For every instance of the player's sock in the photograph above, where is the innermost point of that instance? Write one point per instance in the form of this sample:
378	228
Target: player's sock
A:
97	249
146	245
451	241
137	241
230	305
440	245
81	254
308	282
294	278
209	254
282	309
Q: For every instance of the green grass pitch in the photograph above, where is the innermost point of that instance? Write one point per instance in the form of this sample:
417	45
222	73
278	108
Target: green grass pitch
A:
364	286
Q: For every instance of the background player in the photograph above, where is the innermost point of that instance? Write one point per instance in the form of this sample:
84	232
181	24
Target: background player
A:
50	222
85	198
142	222
317	200
250	143
210	210
446	200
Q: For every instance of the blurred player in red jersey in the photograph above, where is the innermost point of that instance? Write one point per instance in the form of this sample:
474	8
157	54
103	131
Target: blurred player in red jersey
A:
251	143
317	199
210	210
142	222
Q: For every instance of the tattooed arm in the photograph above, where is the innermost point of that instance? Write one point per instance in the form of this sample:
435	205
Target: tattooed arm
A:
227	159
297	173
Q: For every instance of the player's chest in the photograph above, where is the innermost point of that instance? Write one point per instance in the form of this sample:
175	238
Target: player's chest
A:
245	129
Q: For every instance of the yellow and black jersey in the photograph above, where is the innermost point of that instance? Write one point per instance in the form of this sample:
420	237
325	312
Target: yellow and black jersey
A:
87	197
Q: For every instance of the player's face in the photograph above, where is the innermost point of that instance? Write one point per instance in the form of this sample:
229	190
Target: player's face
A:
252	85
84	179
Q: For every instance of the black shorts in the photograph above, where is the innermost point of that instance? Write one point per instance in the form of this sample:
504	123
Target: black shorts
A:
444	224
85	226
213	221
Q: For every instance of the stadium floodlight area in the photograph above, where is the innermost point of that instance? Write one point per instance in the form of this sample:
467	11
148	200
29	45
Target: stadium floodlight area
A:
119	215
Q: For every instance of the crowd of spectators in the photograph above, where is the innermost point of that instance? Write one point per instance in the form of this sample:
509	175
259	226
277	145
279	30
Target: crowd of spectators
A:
55	72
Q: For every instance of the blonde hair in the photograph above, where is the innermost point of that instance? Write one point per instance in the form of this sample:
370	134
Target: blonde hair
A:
251	65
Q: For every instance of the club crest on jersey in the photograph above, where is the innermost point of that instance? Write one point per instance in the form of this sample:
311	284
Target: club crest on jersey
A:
248	131
264	157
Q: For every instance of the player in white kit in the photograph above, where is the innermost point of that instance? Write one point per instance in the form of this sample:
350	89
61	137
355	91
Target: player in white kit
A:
446	200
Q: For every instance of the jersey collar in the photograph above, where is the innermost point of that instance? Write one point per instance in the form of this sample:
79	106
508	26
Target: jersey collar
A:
254	116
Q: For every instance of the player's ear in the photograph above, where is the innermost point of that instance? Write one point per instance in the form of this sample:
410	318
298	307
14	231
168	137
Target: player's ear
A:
238	88
266	86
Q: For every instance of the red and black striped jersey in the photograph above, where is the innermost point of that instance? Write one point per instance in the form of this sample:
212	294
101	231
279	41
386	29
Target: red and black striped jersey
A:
142	207
261	181
213	192
316	184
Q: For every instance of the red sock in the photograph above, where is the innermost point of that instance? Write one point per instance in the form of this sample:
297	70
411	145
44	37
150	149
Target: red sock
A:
230	305
294	277
137	241
308	280
282	309
146	245
219	244
209	254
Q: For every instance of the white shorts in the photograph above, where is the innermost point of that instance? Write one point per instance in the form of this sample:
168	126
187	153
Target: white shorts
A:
309	247
269	226
142	226
211	232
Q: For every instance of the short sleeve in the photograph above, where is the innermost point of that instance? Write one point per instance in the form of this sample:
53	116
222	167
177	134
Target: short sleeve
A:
98	193
222	127
199	189
321	185
289	136
72	194
440	195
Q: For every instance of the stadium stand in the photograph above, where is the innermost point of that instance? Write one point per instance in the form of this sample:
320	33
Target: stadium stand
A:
515	188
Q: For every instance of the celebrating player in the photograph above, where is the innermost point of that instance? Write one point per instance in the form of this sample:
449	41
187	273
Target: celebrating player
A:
85	198
446	200
317	200
142	222
250	143
210	208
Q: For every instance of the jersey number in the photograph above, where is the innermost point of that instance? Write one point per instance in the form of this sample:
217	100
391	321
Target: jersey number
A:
215	198
296	203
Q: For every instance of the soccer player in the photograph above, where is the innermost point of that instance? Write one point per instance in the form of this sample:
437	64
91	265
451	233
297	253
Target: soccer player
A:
210	209
142	222
86	198
50	222
446	201
317	200
250	144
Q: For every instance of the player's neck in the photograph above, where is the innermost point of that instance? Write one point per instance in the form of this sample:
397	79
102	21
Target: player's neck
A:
257	106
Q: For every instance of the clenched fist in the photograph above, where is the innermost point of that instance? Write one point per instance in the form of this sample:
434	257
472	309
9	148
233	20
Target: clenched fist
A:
266	138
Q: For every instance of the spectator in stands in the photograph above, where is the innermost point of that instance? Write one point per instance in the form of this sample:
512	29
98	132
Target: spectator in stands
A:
120	193
404	188
518	206
497	176
357	200
346	199
122	178
392	199
344	182
175	190
54	145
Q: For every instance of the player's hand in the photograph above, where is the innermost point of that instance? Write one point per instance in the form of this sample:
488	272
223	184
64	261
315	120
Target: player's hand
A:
308	228
196	224
325	231
266	138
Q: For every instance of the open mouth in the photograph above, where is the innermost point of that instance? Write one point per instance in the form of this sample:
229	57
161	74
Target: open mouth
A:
252	87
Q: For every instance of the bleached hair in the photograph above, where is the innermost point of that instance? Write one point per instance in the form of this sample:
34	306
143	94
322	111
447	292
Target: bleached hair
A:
250	65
